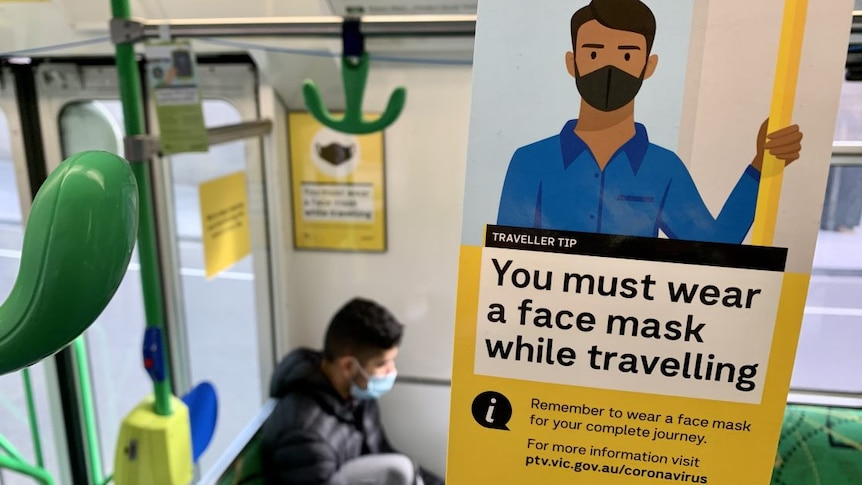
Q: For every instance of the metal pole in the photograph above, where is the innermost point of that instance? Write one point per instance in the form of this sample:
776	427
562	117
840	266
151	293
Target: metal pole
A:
80	348
371	26
19	466
130	94
248	129
846	148
33	418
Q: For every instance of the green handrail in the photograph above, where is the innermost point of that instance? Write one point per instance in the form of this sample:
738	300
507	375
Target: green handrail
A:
10	450
89	411
130	95
33	419
20	466
78	241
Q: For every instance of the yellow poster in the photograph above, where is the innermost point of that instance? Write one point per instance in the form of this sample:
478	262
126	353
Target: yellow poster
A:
224	219
338	187
618	358
637	237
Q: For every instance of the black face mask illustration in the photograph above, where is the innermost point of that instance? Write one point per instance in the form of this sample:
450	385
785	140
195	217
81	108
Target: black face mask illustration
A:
182	63
336	154
609	88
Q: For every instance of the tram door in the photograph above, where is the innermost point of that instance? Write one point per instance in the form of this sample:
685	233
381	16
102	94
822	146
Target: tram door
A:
15	408
218	330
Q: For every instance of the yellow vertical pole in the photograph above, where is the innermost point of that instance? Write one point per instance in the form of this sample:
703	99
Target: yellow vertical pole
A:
780	116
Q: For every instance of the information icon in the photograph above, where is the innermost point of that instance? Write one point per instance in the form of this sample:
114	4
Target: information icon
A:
492	410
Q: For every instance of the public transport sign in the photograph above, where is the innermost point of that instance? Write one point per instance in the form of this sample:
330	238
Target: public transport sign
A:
638	235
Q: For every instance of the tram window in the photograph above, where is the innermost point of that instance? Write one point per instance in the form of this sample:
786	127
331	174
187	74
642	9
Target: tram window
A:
14	421
220	314
848	127
827	357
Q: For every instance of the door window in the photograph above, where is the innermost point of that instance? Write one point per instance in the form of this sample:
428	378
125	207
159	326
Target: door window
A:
114	341
14	409
220	314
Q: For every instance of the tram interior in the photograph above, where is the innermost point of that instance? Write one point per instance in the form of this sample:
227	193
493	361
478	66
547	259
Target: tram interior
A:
232	330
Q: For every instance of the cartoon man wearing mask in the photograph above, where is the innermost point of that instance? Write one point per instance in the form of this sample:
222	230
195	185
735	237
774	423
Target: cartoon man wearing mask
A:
601	174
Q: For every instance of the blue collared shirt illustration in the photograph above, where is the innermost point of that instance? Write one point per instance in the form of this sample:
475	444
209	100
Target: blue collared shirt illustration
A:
556	183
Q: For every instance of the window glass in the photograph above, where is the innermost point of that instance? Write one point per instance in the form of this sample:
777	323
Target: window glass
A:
14	418
848	125
220	314
827	357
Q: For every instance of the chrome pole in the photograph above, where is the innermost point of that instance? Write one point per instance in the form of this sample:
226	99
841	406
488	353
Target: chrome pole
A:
331	26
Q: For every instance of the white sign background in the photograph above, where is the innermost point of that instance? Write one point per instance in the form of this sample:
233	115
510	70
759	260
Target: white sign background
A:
740	336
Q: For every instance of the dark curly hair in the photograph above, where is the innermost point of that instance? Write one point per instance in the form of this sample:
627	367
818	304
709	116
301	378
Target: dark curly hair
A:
630	15
361	328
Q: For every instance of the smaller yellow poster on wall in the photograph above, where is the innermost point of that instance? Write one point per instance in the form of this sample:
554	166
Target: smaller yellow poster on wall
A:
338	187
224	219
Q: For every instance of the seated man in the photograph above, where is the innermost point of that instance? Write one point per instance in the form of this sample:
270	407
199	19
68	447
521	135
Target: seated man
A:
326	427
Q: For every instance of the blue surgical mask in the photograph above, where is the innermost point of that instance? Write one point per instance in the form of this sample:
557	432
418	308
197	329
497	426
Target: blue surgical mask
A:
377	385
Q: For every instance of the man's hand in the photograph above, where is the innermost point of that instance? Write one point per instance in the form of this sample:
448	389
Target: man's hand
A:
784	144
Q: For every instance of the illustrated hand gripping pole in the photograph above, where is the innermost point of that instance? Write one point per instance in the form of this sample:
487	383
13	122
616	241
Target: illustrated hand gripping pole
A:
781	114
354	72
78	242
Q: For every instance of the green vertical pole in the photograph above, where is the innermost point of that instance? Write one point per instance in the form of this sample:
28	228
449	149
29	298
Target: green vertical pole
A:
130	95
33	418
93	447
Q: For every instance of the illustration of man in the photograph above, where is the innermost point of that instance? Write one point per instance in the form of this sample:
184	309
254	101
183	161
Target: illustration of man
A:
601	174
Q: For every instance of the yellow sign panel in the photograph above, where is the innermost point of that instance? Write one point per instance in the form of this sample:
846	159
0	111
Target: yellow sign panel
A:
581	360
338	187
224	216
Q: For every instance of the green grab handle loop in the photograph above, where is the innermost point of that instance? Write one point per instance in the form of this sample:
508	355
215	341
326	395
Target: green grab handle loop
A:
355	75
78	242
39	474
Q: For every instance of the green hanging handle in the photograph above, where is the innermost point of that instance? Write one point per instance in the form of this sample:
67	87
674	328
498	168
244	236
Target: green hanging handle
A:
78	242
354	72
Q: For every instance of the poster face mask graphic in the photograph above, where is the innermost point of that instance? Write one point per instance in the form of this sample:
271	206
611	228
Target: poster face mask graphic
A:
335	154
609	88
633	266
